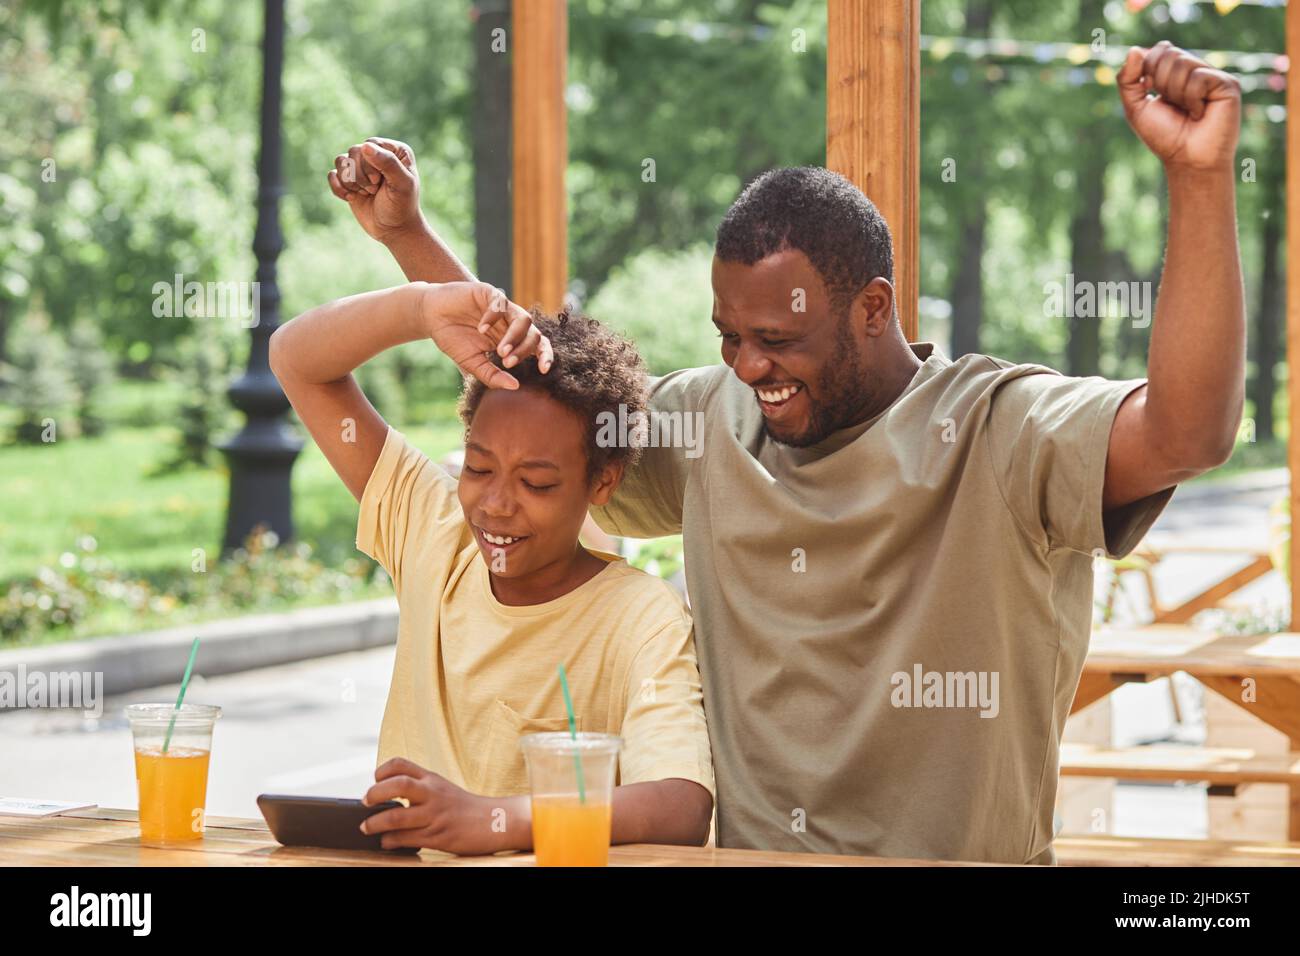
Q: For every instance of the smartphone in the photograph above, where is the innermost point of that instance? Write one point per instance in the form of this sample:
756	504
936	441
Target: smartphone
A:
331	822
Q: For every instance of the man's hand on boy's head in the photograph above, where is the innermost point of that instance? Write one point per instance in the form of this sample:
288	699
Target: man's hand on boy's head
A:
471	320
379	182
441	815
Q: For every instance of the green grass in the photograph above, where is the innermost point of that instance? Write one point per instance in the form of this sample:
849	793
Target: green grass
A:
108	487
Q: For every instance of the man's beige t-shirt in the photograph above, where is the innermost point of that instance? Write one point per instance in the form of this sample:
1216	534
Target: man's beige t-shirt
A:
842	591
473	675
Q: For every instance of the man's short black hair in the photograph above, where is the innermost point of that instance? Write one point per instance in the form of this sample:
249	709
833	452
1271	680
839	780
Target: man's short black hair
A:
821	214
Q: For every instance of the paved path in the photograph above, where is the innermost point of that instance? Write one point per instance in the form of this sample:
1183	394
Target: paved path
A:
310	728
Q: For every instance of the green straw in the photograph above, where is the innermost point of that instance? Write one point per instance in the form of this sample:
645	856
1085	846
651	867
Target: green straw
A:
573	732
180	698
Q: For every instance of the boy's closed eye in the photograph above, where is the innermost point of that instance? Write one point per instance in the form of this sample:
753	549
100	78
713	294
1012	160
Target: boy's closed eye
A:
478	472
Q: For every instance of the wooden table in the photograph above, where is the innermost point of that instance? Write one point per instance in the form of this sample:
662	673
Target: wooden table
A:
1159	851
1223	663
104	837
1220	662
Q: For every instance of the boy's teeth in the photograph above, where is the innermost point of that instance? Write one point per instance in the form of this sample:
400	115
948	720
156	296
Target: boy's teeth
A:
777	395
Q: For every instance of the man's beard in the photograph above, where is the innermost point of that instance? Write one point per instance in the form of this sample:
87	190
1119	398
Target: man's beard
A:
844	390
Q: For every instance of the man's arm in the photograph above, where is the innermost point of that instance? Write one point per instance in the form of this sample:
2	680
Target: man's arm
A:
1184	421
379	181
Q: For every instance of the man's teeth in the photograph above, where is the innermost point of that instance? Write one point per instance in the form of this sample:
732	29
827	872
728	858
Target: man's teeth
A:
776	396
499	539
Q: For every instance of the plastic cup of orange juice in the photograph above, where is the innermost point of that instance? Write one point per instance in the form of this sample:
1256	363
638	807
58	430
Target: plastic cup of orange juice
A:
571	806
173	781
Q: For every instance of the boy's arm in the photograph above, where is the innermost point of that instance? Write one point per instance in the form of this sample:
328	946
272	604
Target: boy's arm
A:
676	812
443	816
671	811
314	357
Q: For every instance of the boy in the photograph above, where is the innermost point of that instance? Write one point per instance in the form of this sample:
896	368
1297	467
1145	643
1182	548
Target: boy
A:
494	587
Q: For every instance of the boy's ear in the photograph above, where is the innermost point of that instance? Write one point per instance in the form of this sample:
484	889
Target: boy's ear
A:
606	483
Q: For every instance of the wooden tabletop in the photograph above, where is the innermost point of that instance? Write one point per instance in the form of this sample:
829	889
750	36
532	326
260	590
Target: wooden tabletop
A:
1151	851
1162	649
105	837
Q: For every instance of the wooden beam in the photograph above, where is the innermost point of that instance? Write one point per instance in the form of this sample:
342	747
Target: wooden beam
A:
1212	596
1276	699
1092	688
540	260
1276	703
873	112
1293	287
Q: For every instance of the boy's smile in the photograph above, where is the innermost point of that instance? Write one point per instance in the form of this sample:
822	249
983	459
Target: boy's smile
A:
499	542
524	490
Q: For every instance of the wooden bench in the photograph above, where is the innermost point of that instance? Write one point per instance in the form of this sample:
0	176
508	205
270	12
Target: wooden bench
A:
1223	768
1258	673
1104	850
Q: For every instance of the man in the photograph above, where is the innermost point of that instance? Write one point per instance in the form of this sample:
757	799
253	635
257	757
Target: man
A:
889	555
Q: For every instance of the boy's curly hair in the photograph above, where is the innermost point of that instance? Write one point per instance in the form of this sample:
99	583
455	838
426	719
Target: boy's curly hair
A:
595	370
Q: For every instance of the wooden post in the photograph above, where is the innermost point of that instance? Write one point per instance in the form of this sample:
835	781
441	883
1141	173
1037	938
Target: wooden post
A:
873	112
540	38
1292	272
1293	329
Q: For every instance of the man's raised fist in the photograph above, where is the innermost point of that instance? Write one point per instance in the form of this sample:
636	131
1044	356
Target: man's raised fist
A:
379	182
1187	112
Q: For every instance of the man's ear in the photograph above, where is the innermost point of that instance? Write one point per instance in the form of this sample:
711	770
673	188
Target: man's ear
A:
873	308
606	483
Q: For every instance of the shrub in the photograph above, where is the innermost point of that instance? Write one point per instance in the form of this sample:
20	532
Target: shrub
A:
37	379
92	369
203	409
663	301
83	588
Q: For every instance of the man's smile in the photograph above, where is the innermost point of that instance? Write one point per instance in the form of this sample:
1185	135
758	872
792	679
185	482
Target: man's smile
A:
775	400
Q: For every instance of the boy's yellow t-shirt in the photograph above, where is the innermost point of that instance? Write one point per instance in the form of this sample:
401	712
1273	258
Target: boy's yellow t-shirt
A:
472	675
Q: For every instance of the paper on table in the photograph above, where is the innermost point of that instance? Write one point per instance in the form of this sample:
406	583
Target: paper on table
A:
20	807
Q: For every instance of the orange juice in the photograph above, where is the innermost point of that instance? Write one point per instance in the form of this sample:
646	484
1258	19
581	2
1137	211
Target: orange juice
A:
172	787
569	833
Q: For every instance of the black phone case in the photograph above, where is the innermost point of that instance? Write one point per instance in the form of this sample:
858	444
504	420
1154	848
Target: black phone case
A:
330	822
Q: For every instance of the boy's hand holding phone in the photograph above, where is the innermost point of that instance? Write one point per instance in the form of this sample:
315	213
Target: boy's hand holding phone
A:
471	320
441	815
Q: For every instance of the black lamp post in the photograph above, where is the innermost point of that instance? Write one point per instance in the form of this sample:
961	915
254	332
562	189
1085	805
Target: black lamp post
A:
261	455
491	132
